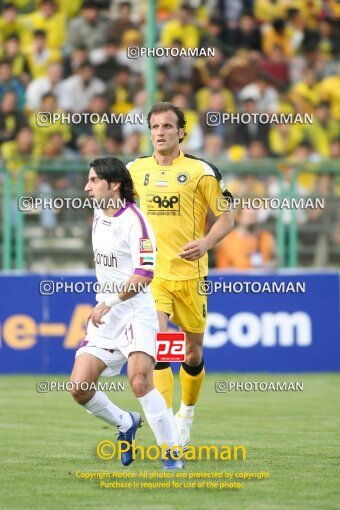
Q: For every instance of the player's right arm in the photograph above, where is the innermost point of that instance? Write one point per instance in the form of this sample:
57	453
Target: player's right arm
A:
135	284
213	193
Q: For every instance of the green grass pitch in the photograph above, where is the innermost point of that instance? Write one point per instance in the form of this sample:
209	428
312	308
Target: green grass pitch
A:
46	438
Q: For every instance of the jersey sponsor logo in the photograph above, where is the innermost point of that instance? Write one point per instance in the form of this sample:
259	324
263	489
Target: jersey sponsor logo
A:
145	245
146	179
170	346
183	178
104	259
165	203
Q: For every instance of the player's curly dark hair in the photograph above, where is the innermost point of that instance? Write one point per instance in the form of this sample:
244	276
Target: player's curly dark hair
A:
113	170
165	107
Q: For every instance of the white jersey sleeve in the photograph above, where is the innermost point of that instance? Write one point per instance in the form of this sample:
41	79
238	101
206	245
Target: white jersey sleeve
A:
142	243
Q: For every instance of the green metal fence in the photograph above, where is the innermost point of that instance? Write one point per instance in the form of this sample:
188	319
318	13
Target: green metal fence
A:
326	167
13	220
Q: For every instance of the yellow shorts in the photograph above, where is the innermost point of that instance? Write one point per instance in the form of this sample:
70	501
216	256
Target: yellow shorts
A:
182	302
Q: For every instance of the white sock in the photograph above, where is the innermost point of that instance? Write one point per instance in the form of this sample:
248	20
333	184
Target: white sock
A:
186	411
172	422
102	407
157	415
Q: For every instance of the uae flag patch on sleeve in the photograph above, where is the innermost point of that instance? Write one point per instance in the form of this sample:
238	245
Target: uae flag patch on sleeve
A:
146	260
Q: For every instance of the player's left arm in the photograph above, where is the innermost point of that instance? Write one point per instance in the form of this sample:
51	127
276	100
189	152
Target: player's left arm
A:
219	200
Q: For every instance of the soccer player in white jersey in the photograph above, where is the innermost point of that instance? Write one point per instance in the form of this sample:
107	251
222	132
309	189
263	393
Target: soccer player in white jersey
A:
123	325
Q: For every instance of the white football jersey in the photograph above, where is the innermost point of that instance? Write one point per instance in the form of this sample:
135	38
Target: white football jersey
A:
123	245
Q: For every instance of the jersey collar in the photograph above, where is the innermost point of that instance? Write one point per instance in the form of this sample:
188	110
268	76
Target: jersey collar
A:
180	155
122	209
119	212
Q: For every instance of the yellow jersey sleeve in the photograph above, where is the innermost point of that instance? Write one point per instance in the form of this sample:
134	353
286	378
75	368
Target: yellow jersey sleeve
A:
211	190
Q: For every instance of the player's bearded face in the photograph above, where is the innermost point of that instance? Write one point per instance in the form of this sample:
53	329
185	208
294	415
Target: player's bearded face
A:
99	189
165	133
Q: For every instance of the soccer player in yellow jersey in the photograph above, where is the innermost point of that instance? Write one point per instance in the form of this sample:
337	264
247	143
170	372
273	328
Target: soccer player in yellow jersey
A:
175	192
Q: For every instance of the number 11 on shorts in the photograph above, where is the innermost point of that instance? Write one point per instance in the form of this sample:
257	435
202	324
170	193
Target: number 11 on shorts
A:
170	346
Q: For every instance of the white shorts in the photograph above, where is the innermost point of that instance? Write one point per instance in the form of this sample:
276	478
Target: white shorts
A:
114	361
126	330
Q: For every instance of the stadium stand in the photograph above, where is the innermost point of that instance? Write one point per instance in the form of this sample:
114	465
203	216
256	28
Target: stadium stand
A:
58	56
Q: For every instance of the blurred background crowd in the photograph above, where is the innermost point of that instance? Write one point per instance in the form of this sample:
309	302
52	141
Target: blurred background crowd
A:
273	56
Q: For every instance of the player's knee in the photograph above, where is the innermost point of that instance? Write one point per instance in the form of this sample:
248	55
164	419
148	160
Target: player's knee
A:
194	356
139	385
79	394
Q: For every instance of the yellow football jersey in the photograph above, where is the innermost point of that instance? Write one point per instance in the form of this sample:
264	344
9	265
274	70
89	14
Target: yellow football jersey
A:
175	199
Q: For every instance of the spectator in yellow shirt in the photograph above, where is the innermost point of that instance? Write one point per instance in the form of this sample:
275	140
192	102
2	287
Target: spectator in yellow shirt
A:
43	133
13	54
69	9
10	23
39	57
19	153
120	91
268	10
277	35
323	130
329	90
334	7
215	85
305	94
284	138
181	28
50	20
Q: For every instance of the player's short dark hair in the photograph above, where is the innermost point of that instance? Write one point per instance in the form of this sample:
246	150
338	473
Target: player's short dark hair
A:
113	170
165	107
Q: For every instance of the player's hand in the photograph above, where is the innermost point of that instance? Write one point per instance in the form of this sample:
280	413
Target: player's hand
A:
98	312
194	250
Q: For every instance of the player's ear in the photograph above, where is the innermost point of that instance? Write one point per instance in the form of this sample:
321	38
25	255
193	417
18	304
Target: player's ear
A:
181	133
115	186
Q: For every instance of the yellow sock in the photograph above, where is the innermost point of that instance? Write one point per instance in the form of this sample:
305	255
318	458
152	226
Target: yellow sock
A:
191	386
164	382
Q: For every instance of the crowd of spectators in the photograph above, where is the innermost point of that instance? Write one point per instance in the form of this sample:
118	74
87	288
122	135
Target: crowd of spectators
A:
270	56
